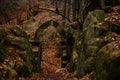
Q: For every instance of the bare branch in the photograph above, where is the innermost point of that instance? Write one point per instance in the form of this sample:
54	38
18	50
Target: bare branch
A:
56	13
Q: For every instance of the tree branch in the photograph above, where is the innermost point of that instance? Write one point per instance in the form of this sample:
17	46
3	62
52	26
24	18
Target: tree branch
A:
56	13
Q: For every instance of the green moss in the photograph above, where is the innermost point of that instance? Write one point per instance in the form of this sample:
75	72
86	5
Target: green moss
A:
10	74
3	40
2	53
89	65
96	51
107	65
22	69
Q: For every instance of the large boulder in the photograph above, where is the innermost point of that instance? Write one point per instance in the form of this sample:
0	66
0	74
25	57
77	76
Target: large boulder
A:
107	63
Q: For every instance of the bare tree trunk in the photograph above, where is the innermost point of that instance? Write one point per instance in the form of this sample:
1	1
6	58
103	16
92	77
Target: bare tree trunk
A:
56	6
68	8
74	10
64	12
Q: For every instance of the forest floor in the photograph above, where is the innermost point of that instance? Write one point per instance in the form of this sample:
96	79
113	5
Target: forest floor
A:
50	68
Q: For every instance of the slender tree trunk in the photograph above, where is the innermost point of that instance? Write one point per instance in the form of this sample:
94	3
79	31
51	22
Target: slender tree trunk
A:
69	8
64	12
74	10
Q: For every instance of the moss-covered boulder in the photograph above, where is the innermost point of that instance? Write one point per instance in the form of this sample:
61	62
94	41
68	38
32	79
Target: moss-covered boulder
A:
22	41
107	63
89	42
99	49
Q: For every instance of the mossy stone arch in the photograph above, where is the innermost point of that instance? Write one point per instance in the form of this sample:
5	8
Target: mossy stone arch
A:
45	25
59	29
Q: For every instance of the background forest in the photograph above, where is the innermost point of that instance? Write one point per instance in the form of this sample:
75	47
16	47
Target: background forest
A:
59	39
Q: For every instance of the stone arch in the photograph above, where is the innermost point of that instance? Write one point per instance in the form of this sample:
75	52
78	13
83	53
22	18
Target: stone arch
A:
45	25
66	43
